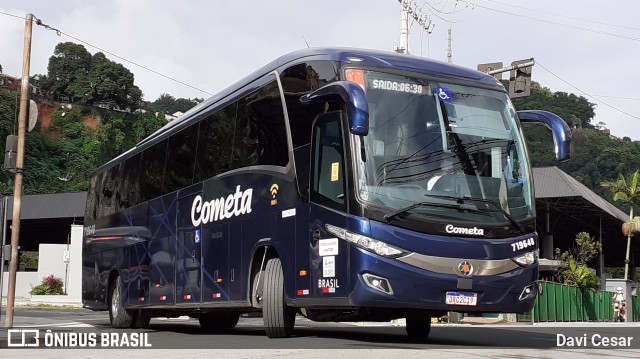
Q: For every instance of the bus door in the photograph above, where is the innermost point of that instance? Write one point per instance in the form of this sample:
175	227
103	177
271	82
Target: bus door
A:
188	253
215	281
328	255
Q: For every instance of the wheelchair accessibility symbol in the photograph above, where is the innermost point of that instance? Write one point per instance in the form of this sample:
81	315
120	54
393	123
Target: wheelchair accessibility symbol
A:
444	94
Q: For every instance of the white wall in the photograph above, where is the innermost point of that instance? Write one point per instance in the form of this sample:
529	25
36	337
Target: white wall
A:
24	282
51	261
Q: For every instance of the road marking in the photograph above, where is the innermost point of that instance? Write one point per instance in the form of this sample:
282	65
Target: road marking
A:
69	324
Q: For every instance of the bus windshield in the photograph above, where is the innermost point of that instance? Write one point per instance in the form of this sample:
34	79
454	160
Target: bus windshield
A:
444	151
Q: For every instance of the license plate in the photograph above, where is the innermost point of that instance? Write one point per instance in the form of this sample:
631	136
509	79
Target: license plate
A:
457	298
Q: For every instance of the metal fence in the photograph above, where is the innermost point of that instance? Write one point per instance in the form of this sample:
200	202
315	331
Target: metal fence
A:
563	303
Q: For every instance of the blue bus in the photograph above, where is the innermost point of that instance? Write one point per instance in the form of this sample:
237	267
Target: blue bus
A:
336	184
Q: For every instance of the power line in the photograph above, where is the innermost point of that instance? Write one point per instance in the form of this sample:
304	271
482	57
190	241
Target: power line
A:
60	32
12	15
618	97
553	22
584	92
566	16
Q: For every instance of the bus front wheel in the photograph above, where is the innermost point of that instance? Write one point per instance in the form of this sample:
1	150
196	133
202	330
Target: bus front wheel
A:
118	315
418	324
278	318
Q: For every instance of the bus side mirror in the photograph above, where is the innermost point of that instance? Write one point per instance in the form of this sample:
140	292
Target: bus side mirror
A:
354	98
559	129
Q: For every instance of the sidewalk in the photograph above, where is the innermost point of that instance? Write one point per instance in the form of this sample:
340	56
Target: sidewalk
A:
48	300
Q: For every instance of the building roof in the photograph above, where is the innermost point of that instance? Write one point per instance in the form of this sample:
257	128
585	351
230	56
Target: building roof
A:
565	193
55	205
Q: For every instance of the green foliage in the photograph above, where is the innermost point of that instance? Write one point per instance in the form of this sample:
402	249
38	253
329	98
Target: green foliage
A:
69	65
574	270
146	124
577	111
74	73
8	113
28	260
166	103
50	285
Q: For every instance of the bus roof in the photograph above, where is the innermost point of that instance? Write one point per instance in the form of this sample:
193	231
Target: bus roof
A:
361	57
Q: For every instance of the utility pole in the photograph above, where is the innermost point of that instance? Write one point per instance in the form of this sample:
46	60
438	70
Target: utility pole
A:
408	11
449	49
404	29
17	188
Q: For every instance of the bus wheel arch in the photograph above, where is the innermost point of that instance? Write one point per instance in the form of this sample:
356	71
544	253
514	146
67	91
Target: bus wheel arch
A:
261	256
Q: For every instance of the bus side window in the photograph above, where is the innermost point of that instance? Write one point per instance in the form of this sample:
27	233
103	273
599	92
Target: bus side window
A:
298	80
214	144
181	158
328	180
260	135
130	174
153	163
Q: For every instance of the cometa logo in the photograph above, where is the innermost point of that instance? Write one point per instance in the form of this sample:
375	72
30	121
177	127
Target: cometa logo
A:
464	230
234	204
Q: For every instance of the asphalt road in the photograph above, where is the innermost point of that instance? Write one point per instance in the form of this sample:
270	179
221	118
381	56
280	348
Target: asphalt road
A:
323	340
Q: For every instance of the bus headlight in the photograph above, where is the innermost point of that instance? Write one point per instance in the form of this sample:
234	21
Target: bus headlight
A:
527	259
367	243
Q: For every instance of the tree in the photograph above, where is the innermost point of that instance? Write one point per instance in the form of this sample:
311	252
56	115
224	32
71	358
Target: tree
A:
69	65
107	83
576	110
166	103
627	191
146	124
574	270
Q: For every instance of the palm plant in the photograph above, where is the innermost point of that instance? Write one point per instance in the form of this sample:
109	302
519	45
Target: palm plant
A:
624	191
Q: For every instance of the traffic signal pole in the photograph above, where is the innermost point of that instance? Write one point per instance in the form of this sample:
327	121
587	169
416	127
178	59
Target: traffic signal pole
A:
17	188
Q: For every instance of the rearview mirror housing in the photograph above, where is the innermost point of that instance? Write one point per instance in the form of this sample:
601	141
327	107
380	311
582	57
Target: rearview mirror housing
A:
353	97
559	129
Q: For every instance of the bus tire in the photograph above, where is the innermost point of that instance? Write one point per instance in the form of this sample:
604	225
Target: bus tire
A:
278	318
141	319
418	324
118	315
219	321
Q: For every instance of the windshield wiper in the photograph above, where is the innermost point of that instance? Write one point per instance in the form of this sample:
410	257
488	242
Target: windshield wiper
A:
462	200
391	216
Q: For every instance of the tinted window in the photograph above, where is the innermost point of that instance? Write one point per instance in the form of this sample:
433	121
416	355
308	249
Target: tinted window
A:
214	144
181	155
153	160
131	182
260	134
328	177
93	201
299	80
109	195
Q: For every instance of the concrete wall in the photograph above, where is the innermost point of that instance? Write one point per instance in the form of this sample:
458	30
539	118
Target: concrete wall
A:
53	260
24	282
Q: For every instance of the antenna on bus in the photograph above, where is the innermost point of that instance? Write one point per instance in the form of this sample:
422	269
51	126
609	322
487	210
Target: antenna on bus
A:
305	41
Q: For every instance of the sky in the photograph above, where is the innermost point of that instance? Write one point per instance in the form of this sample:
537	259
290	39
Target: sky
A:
590	48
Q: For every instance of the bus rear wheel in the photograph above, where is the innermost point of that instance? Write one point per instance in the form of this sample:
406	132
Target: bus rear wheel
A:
118	315
219	321
278	318
418	324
